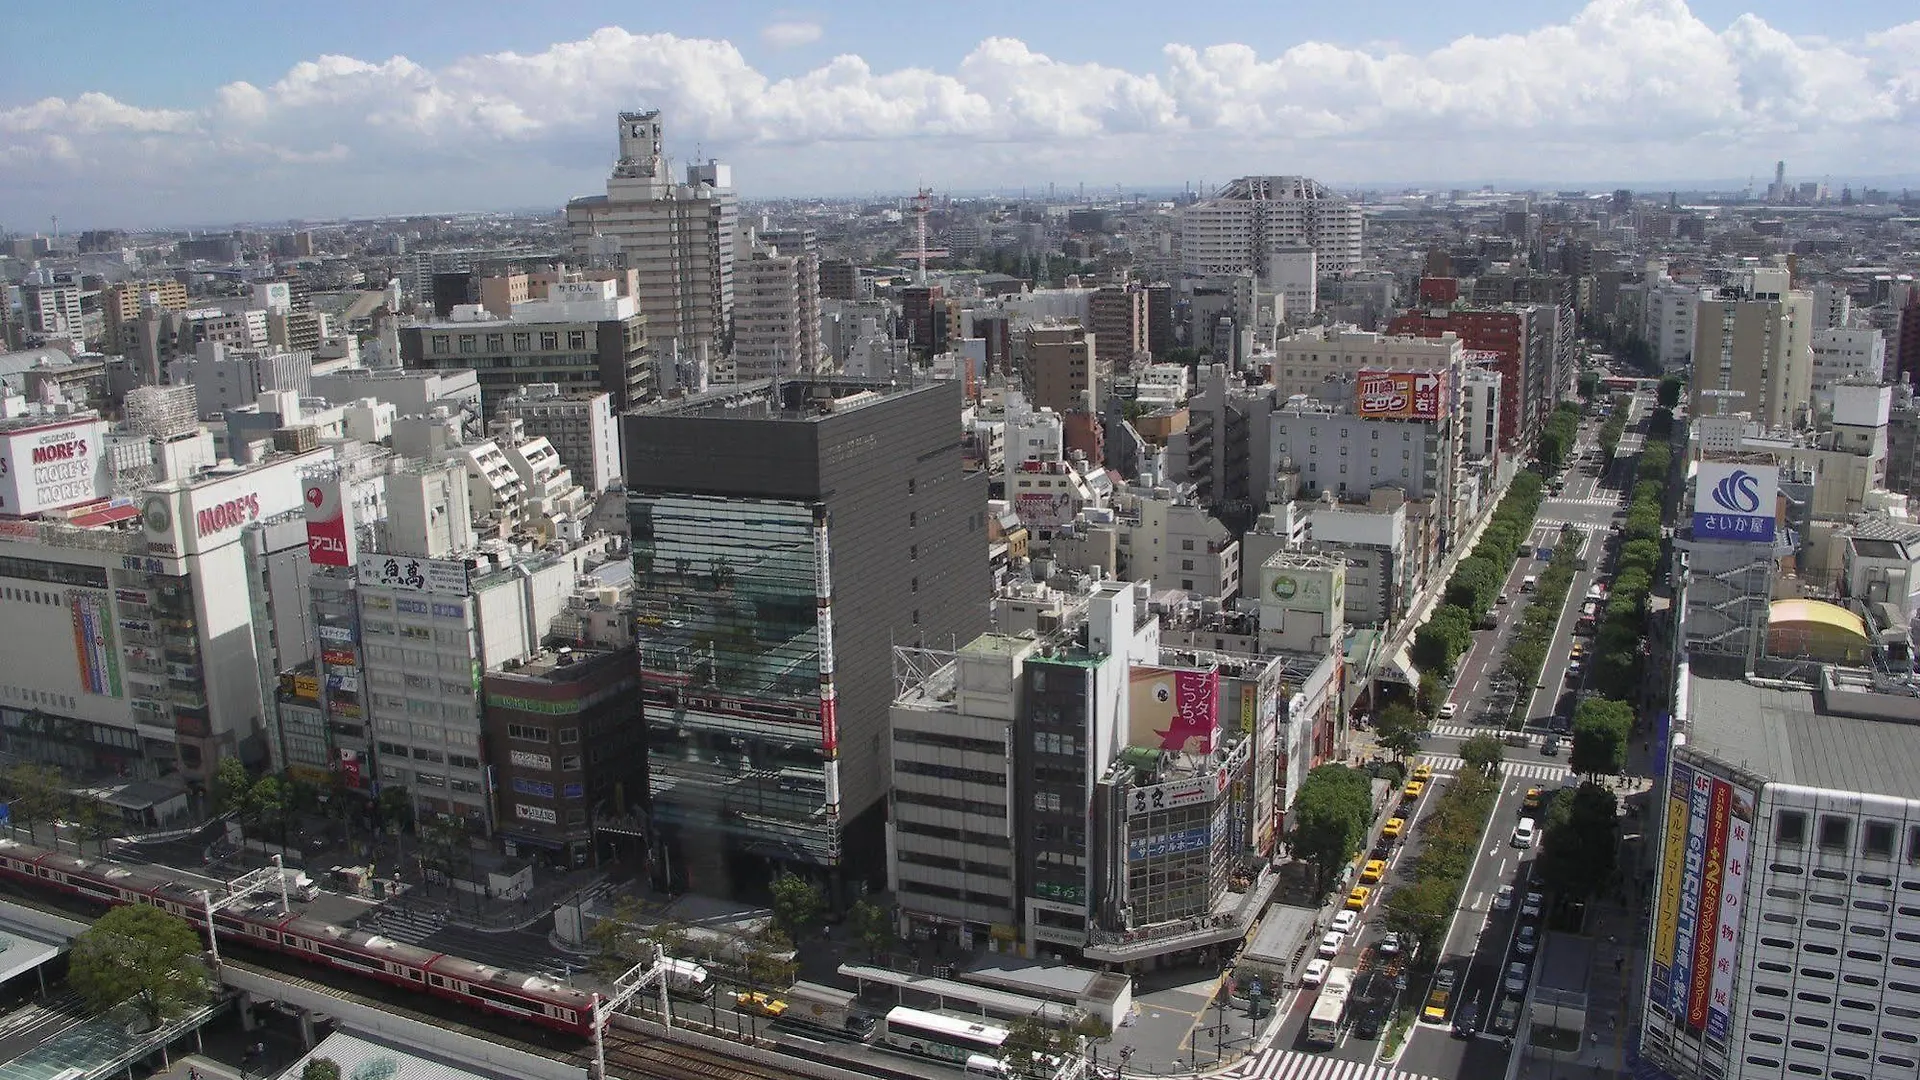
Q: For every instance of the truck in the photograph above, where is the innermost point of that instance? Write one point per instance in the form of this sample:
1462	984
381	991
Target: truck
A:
1330	1009
828	1009
689	980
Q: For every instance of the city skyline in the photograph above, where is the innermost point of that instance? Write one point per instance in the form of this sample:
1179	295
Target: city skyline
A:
498	109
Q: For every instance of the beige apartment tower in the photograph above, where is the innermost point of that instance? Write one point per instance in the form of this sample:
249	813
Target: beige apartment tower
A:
1753	356
1064	372
678	237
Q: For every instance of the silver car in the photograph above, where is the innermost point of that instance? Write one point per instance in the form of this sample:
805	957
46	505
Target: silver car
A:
1518	975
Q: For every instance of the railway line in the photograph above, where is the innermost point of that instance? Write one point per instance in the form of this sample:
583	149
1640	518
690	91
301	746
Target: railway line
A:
630	1055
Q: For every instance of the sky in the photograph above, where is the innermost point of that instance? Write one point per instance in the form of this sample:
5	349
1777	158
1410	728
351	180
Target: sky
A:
195	113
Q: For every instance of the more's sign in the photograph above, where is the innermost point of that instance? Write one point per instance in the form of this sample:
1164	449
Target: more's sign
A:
52	466
1735	501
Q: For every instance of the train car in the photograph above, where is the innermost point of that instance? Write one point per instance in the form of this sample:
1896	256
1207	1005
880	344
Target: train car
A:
536	998
20	861
357	951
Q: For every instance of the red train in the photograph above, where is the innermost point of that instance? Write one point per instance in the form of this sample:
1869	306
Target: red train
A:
534	998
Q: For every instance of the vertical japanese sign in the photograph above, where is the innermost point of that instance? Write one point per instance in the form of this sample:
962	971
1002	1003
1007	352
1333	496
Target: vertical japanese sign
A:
1673	859
1733	895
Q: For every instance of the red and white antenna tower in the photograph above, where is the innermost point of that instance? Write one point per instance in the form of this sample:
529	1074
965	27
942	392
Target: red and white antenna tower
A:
922	206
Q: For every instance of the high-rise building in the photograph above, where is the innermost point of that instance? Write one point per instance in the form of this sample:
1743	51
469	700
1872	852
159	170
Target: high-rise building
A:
680	237
1520	341
801	243
1240	228
768	328
839	280
1753	355
579	426
1063	367
1160	339
786	536
1119	317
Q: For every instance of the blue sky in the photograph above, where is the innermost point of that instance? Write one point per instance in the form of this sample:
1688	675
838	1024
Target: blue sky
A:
196	112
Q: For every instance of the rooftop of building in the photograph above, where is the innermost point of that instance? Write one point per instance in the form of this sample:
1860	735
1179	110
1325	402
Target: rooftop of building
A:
1787	734
561	664
794	400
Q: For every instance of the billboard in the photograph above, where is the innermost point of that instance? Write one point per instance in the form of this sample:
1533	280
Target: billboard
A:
1316	590
1176	710
1399	395
1175	793
93	643
1733	894
442	577
1044	509
1686	947
1735	502
189	520
330	540
52	466
1713	876
1673	858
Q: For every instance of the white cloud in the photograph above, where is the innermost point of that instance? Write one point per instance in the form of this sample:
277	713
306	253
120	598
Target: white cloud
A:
1623	89
790	35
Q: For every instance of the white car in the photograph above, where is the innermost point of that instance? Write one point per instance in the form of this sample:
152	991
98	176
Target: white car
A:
1331	944
1503	899
1316	972
1345	921
1448	711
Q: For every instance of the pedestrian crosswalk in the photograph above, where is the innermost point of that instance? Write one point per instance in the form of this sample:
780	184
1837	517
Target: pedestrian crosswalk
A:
1515	770
1548	524
1454	731
406	926
1613	499
1277	1064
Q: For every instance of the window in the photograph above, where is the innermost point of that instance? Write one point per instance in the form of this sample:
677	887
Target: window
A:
528	733
549	341
569	736
522	342
913	519
496	342
576	340
442	345
468	344
1834	832
1790	828
1876	840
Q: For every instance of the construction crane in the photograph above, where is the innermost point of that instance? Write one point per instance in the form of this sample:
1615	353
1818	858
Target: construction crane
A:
922	206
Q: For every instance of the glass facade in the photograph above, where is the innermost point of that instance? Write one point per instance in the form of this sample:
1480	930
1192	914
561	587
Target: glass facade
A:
732	606
1178	861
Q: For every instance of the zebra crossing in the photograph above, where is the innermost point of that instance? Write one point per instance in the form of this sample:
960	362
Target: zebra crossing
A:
1613	500
1513	770
406	927
1455	731
1277	1064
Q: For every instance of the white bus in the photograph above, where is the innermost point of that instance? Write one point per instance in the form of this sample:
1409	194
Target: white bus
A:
944	1038
1330	1009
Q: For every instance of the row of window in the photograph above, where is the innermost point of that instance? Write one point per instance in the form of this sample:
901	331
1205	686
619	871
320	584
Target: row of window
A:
944	802
951	772
948	742
963	866
941	832
946	892
522	342
1878	839
1850	978
536	733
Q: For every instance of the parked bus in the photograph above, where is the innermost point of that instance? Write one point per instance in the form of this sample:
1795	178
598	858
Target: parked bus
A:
943	1038
1330	1008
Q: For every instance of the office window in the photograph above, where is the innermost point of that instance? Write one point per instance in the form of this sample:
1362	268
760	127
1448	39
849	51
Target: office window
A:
1876	840
549	341
576	339
468	344
1834	832
442	345
522	342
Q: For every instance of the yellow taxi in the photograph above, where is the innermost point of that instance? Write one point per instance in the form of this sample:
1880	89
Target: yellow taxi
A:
1357	899
1391	830
1423	772
1413	790
757	1002
1533	798
1579	649
1372	872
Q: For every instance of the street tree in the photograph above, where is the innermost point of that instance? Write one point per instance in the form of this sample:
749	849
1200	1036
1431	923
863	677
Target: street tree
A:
1601	728
768	966
393	808
142	955
1029	1043
1420	908
1669	393
796	905
1483	752
1433	694
231	785
36	793
1330	814
870	926
1400	729
267	804
321	1069
1580	844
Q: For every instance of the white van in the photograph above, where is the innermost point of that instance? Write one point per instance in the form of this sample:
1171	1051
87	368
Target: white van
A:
1527	583
1523	833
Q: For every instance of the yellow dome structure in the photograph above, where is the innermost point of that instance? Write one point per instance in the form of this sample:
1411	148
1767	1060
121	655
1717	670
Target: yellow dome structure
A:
1816	629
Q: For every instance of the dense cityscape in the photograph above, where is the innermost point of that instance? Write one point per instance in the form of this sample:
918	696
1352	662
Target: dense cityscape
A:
684	633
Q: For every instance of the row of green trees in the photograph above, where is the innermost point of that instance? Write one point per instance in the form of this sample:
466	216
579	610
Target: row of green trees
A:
1557	437
1580	841
1450	839
38	794
1476	581
1616	652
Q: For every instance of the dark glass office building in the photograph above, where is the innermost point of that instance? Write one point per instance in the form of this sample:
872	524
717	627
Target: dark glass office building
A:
786	535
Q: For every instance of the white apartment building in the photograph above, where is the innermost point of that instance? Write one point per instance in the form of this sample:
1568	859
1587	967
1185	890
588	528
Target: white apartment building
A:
768	330
1479	427
1669	320
1171	541
1841	355
580	427
1241	229
226	377
1786	919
